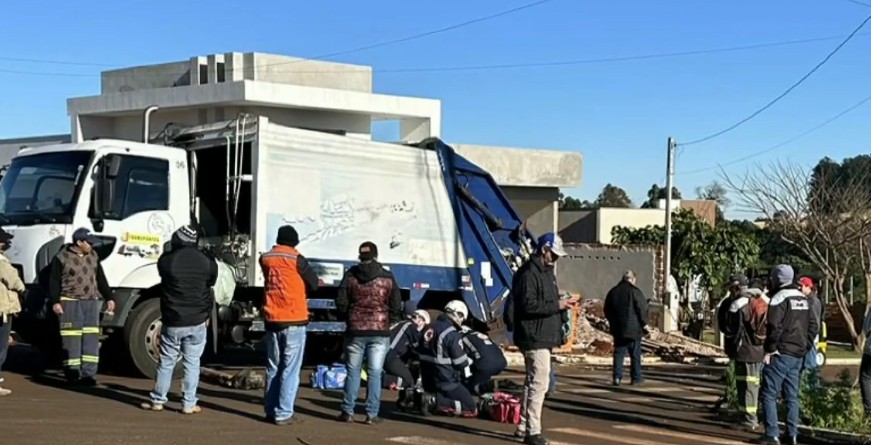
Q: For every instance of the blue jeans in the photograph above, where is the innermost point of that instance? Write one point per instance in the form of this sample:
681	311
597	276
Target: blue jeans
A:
633	347
189	342
782	373
374	349
284	350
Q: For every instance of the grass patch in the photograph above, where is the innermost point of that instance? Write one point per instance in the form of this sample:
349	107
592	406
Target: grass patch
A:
841	352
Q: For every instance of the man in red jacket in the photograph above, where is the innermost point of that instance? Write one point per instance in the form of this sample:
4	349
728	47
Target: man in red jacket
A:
370	302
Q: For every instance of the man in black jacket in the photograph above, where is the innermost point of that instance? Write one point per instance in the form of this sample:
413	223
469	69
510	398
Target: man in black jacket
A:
791	328
538	326
626	312
186	302
747	352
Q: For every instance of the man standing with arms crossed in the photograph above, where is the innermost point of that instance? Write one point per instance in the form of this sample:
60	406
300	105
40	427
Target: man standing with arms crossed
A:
288	277
538	326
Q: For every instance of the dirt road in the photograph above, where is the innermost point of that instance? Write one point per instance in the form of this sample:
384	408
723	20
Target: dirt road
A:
673	407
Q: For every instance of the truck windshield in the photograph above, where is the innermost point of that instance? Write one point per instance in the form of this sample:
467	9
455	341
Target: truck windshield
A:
42	188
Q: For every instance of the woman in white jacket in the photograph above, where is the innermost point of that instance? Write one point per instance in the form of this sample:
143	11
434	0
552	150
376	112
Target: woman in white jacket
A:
10	286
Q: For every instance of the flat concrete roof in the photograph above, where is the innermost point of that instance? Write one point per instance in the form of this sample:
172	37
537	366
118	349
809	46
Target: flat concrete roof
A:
248	92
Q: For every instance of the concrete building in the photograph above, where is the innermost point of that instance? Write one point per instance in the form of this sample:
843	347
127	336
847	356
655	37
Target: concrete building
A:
317	95
594	226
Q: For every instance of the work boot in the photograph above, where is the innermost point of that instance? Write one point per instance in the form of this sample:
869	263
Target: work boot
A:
345	417
537	439
372	420
427	404
87	381
615	382
790	440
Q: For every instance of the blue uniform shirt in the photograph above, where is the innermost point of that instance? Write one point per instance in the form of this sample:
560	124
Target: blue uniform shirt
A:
442	357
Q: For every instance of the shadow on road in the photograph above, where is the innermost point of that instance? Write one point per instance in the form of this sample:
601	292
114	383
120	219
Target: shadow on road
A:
645	418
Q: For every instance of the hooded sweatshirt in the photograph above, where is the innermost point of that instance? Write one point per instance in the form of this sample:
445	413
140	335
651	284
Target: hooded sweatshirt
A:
186	279
369	300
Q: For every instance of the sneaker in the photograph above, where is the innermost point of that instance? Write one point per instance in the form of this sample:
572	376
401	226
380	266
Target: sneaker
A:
151	406
768	440
791	441
537	439
345	417
615	382
5	392
637	382
372	420
193	410
284	422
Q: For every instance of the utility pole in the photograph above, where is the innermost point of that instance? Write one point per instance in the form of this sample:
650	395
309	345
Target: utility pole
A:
669	184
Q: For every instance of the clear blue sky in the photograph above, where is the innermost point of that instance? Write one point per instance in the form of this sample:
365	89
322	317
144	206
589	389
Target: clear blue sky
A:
617	114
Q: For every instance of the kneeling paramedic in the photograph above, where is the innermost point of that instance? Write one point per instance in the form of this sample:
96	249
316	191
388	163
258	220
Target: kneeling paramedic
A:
442	361
487	361
404	337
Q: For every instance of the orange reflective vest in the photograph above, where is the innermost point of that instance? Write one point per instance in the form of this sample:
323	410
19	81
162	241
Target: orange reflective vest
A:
285	300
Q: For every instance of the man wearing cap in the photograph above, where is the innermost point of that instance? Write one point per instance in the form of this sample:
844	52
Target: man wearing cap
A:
186	303
288	278
790	329
10	287
626	311
369	301
76	288
537	326
746	349
807	287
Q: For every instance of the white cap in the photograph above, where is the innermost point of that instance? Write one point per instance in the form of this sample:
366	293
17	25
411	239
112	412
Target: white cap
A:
422	314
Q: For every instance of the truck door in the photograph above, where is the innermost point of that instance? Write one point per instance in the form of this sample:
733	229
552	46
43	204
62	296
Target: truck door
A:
134	212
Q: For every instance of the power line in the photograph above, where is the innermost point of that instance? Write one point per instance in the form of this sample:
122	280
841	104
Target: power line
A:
320	57
858	2
788	90
781	144
554	63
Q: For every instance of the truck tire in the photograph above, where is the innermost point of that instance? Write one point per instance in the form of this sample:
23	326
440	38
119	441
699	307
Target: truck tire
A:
142	337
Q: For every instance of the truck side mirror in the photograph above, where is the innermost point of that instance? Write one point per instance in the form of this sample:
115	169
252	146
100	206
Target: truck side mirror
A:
104	186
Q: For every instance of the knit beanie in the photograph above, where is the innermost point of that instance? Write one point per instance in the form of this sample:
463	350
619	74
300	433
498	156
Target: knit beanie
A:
185	236
782	275
287	236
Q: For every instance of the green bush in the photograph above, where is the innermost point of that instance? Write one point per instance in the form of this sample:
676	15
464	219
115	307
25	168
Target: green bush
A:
832	405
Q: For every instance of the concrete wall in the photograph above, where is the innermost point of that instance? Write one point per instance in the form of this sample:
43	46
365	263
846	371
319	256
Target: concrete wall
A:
537	205
526	167
593	269
578	226
10	147
314	73
608	218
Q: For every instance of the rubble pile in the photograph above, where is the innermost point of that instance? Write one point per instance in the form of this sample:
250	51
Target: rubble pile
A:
593	339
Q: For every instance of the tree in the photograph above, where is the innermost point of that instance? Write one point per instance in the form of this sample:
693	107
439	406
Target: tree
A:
572	203
816	212
613	196
656	193
697	248
715	192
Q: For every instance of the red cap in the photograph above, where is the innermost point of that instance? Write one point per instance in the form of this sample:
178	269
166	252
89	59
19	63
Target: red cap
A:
806	281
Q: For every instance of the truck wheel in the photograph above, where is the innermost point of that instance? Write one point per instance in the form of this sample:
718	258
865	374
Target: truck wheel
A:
142	336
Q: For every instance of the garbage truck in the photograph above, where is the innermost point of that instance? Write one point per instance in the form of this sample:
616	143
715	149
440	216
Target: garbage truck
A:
442	224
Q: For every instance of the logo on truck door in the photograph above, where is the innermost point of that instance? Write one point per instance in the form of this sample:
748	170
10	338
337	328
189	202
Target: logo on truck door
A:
143	245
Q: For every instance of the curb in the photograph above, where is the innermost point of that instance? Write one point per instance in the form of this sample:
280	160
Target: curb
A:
843	361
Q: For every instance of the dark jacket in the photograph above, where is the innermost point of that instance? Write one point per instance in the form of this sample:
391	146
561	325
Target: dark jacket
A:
738	323
404	337
487	357
186	279
442	358
791	326
537	320
369	300
726	326
626	311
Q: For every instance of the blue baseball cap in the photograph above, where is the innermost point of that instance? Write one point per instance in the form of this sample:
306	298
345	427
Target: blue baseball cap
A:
553	242
83	234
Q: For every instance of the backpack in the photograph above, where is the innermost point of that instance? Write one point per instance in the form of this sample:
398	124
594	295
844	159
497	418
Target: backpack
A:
501	407
758	322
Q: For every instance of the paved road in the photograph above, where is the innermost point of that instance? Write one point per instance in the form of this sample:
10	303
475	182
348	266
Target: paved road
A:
672	408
